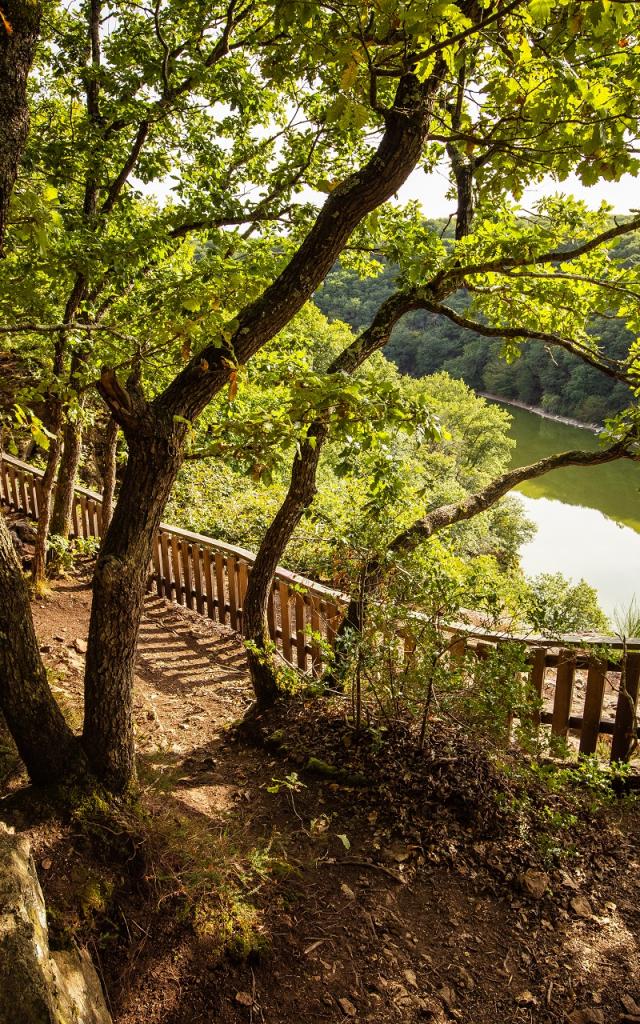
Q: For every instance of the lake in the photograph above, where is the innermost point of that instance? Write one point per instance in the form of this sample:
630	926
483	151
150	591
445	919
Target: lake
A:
588	519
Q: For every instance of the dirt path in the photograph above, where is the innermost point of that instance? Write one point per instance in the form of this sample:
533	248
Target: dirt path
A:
334	903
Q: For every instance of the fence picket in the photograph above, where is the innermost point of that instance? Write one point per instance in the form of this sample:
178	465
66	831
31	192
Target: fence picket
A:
565	675
285	621
206	575
208	581
594	698
626	710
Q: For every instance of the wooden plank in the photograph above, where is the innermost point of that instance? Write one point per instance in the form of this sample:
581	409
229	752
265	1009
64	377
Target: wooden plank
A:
196	558
177	574
316	649
167	576
594	697
24	495
4	470
82	519
99	518
33	487
185	558
220	591
301	654
285	619
232	582
13	489
623	732
92	519
157	567
207	577
74	518
565	675
333	622
271	613
537	677
243	583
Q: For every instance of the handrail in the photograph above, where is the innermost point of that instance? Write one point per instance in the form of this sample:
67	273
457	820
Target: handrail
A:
472	632
210	577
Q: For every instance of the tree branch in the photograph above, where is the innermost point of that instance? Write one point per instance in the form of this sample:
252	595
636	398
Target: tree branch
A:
448	515
611	367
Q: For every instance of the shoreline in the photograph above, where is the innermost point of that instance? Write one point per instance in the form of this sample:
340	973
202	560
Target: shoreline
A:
594	428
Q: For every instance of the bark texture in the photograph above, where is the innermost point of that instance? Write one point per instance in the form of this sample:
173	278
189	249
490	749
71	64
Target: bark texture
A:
119	586
19	28
69	462
45	742
301	493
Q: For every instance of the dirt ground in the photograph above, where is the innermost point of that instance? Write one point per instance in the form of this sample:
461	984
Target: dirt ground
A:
252	888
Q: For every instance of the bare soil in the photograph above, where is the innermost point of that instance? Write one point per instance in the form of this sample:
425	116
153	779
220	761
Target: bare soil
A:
387	887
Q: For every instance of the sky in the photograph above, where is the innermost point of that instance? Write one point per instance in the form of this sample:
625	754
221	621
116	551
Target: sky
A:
430	190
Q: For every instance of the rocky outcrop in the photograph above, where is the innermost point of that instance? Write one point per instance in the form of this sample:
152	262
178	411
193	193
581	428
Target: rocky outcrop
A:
36	985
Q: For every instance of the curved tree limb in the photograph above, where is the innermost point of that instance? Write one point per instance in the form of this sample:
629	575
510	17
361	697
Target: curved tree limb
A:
482	500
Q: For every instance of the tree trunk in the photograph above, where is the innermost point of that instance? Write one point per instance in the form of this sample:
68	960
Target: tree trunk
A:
301	493
45	742
155	431
107	466
19	28
38	568
119	586
65	488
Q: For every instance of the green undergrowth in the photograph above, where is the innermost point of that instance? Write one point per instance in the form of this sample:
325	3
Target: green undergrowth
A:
148	857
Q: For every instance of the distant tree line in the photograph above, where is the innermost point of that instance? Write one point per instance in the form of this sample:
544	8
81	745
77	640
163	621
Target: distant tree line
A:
424	343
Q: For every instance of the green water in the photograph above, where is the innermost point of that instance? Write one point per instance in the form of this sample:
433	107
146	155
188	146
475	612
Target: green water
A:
588	519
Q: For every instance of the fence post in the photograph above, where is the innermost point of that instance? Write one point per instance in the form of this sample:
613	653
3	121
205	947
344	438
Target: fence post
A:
596	680
626	710
565	675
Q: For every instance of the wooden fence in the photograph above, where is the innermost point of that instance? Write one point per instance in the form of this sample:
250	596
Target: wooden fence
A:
210	577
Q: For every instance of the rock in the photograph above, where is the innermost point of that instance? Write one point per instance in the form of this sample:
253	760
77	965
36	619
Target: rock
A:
587	1016
535	883
448	996
347	1007
581	906
79	992
80	646
37	987
466	979
526	998
244	998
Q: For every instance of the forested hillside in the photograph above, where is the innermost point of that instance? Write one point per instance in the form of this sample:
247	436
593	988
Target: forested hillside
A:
424	343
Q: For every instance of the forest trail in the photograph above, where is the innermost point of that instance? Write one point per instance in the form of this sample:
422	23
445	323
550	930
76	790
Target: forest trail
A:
427	916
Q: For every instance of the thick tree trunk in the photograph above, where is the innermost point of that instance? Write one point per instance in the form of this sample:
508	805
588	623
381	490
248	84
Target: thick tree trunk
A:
301	493
65	488
45	742
107	466
155	432
38	568
19	28
119	586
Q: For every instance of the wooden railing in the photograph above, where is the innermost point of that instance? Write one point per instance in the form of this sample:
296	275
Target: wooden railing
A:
205	575
210	577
